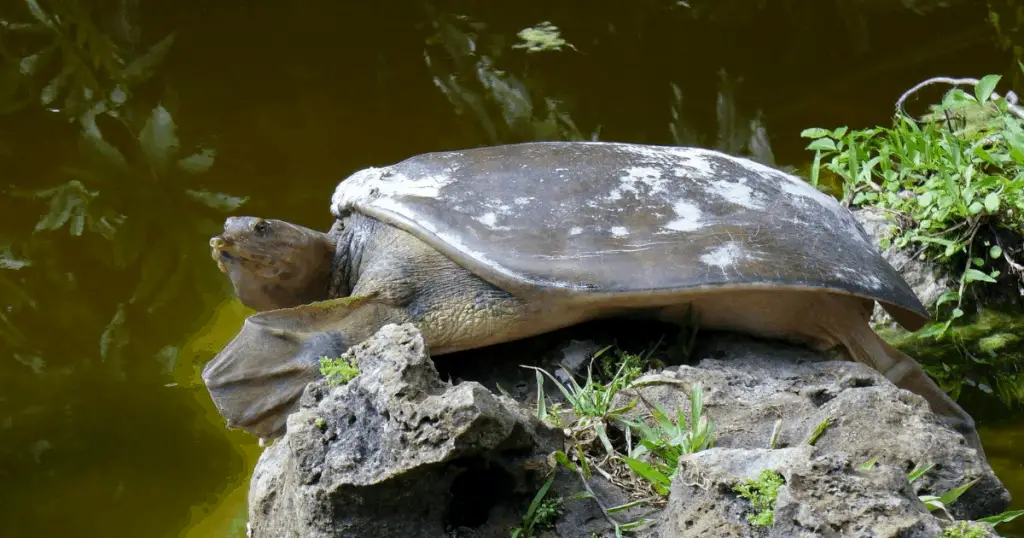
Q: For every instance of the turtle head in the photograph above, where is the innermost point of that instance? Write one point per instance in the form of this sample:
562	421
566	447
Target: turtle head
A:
272	263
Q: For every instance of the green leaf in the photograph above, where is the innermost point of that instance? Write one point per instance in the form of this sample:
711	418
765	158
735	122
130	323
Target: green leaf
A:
995	252
826	144
1009	515
992	202
838	133
814	132
198	163
158	139
217	200
952	495
142	67
816	168
867	465
918	472
645	470
985	87
975	208
926	198
947	297
972	275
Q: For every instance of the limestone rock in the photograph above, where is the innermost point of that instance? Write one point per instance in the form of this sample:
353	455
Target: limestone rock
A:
398	452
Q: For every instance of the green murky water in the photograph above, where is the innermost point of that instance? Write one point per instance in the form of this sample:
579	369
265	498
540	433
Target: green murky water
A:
109	303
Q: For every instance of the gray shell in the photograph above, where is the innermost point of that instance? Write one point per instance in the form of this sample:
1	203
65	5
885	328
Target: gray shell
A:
583	218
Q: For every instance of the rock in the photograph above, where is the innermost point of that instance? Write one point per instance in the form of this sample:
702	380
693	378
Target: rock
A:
927	279
824	495
749	384
398	452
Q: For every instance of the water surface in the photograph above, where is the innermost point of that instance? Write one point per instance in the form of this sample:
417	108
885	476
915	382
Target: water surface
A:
111	303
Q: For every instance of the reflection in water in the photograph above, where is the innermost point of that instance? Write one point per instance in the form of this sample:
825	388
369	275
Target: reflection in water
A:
128	131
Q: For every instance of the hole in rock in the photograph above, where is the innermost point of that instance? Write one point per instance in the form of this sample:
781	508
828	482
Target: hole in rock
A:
475	492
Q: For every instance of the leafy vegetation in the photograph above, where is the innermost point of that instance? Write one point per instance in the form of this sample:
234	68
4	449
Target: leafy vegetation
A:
984	353
120	192
946	498
953	183
637	452
338	371
963	529
541	513
761	493
957	172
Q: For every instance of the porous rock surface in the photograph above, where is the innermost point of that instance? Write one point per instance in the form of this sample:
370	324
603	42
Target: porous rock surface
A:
750	384
396	452
399	452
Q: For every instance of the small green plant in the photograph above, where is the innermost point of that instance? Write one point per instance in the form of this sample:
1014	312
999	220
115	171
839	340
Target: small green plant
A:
590	402
761	493
543	37
945	177
541	514
664	443
338	371
820	430
963	529
645	469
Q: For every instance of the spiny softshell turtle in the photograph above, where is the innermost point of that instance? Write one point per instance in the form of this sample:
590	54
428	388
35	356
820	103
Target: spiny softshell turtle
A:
493	244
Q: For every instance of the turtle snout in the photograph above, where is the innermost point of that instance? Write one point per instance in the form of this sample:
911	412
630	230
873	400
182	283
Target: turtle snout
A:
220	250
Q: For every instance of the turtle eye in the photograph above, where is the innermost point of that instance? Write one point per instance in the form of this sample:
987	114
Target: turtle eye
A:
261	228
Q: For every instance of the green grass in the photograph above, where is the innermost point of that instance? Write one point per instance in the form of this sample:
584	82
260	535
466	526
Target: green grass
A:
637	451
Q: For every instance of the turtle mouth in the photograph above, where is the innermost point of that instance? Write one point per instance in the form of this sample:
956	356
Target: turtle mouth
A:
220	251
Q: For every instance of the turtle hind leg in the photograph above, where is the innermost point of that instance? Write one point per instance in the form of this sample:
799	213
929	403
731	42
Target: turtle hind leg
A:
907	373
864	345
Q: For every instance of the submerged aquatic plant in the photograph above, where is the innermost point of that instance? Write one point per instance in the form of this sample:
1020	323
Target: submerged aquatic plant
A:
121	191
982	350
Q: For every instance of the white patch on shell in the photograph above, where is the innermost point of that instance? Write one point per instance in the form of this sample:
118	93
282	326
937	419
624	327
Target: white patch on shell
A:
697	162
636	175
454	240
372	182
723	257
688	217
789	184
488	219
575	230
866	280
523	200
620	231
736	193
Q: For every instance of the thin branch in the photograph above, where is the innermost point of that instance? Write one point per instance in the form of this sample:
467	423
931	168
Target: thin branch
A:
1011	98
1014	266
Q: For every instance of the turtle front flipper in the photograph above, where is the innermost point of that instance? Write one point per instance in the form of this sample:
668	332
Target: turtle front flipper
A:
257	379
